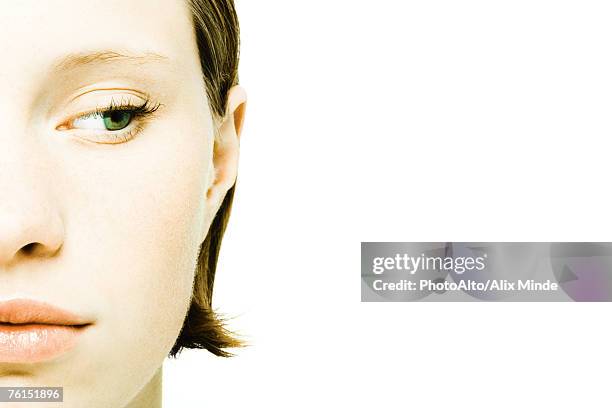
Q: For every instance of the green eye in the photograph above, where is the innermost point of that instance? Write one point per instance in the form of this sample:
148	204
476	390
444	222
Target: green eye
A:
117	120
111	120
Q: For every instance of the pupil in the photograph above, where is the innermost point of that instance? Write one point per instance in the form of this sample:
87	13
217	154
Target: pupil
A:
117	120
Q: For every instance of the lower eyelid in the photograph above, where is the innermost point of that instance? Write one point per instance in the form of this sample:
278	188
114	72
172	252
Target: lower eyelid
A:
110	137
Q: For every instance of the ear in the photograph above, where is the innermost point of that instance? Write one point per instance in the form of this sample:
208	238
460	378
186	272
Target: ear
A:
225	154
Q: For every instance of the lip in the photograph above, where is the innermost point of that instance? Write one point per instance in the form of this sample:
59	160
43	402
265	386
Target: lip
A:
33	331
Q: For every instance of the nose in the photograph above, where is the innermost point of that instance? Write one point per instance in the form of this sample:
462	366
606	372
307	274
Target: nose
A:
30	223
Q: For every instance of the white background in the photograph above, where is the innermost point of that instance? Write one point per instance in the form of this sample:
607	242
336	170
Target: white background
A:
410	121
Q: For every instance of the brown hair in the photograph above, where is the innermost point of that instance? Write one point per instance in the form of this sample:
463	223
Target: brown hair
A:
217	35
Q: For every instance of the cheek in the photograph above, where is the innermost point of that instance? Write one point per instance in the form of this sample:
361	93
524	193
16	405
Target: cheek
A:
134	226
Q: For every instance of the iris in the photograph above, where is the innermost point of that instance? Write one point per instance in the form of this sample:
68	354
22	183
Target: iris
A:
116	120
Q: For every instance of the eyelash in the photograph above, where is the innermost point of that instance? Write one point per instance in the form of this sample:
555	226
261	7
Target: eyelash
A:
139	114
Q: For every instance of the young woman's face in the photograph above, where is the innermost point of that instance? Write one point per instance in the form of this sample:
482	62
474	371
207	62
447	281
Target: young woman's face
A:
101	211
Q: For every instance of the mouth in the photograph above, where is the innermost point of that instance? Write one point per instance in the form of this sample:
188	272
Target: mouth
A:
32	331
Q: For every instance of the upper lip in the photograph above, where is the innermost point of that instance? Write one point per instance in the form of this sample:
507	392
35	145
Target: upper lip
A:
24	311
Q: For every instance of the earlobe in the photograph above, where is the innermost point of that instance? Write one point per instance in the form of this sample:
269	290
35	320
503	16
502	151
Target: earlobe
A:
226	151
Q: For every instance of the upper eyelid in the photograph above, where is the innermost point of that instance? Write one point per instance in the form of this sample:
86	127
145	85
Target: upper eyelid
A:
101	109
139	94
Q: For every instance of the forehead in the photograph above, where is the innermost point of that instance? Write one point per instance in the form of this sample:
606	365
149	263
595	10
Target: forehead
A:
38	35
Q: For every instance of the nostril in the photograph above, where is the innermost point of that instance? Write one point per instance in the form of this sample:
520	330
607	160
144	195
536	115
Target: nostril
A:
29	249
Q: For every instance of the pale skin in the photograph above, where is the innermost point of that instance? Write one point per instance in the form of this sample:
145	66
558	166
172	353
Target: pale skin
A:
107	223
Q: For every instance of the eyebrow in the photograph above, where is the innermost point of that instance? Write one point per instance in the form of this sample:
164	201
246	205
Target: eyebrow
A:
75	60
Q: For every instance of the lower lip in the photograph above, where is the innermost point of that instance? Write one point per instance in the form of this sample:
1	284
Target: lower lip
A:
32	343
